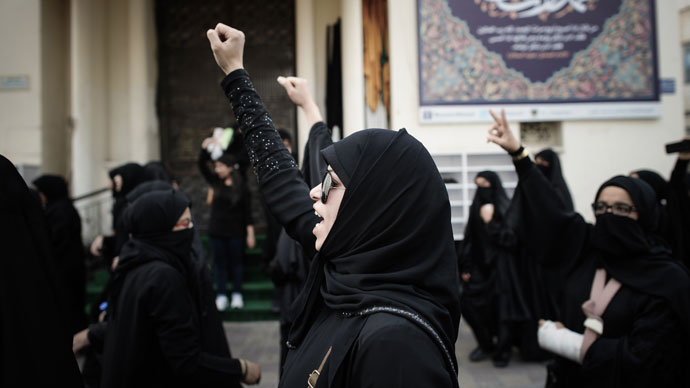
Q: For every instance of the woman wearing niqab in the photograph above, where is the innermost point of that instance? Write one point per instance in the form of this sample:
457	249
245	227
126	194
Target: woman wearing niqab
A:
153	337
68	251
641	338
492	302
380	306
549	164
35	343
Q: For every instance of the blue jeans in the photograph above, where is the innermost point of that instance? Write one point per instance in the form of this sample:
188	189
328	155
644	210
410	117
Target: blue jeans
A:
228	249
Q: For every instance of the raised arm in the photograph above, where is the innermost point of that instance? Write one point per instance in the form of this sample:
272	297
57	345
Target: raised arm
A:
544	216
313	165
298	91
204	160
280	181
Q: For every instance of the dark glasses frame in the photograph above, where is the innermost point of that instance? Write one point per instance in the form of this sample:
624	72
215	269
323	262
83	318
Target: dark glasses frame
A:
619	209
326	185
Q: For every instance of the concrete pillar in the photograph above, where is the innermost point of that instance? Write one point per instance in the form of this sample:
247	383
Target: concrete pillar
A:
305	54
55	128
353	67
143	65
89	94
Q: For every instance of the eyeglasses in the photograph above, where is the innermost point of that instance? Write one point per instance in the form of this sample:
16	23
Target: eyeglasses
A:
326	185
618	208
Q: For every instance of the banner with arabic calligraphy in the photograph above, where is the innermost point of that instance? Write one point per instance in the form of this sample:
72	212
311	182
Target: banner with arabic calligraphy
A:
540	59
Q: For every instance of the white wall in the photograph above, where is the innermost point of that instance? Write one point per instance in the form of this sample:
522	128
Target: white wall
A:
56	132
20	110
113	82
592	150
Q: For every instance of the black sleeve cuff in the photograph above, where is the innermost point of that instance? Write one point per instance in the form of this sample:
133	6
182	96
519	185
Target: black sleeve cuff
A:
234	75
523	166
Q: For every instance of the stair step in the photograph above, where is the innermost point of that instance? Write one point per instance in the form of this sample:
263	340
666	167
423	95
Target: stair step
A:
255	290
254	310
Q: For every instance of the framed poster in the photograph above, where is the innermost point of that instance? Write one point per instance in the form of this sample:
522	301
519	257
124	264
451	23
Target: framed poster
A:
541	60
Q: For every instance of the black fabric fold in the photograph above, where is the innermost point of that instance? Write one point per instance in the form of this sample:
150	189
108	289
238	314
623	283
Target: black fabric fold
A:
392	243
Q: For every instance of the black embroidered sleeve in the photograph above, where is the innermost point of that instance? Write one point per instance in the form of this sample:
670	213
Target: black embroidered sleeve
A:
280	182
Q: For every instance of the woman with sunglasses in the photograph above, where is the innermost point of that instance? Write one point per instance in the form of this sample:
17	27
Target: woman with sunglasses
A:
625	304
380	306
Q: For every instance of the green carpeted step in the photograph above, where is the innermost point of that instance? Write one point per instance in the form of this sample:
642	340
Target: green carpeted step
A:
255	290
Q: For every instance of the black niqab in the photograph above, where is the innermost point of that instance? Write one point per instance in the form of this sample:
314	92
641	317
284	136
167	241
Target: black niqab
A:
652	270
555	175
497	195
475	232
150	220
392	243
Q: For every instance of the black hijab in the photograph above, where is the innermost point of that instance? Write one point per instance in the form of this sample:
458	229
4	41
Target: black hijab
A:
392	243
52	186
475	233
156	171
657	182
132	175
147	187
644	266
495	195
29	293
555	175
150	220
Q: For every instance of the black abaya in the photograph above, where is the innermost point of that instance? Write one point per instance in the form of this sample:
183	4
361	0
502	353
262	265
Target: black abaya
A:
385	272
291	264
154	335
554	174
492	300
68	251
679	211
35	344
646	325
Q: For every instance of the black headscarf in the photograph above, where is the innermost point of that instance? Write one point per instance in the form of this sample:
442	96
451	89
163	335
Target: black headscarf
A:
555	175
29	293
132	175
52	186
641	265
475	233
150	220
156	171
495	195
147	187
392	242
657	182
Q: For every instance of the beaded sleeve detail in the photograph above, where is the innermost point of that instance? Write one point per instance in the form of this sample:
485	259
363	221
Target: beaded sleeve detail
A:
266	150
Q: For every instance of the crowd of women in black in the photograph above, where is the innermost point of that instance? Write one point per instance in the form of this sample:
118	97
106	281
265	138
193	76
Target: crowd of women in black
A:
611	301
367	252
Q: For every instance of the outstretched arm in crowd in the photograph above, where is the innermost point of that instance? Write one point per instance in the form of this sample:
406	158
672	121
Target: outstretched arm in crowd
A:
298	91
280	181
313	165
544	215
